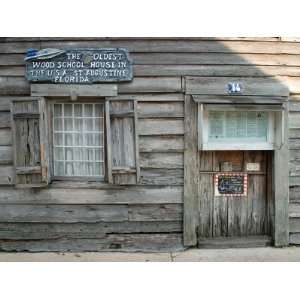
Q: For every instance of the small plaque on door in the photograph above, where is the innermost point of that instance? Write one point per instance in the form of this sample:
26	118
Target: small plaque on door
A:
231	184
253	167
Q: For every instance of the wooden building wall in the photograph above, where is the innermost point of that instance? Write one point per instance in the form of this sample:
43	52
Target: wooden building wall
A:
148	216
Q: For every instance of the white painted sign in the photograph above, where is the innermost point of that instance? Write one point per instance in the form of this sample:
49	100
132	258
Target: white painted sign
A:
253	167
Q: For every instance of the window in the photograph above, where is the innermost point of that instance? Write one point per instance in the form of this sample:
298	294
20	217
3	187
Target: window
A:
78	140
60	140
238	127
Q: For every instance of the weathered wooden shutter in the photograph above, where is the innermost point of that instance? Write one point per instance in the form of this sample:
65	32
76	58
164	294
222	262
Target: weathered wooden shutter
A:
122	142
29	126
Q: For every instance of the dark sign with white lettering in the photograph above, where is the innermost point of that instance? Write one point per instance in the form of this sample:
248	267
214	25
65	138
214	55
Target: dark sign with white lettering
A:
80	66
231	184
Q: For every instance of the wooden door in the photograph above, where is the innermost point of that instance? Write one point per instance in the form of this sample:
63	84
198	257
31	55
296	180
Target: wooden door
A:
231	216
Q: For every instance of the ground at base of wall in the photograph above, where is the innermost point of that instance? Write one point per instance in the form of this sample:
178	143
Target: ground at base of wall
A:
192	255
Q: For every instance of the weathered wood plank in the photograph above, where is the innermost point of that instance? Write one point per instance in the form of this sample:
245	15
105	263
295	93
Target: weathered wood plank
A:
257	209
236	242
96	90
5	137
12	59
294	181
160	126
294	225
89	195
210	70
205	198
292	83
294	210
151	85
295	238
251	86
294	193
155	242
63	213
14	86
240	99
160	110
191	174
294	105
5	103
6	175
157	97
294	133
182	45
5	120
294	167
19	86
205	58
294	154
237	216
6	155
152	176
294	120
215	59
220	220
222	45
281	186
17	47
161	160
161	143
162	212
43	231
12	71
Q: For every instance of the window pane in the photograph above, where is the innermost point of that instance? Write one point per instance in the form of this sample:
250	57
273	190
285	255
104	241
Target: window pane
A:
78	124
69	153
78	139
98	110
68	139
89	140
99	155
69	169
68	124
58	139
78	148
88	124
59	168
98	124
59	153
88	110
57	110
57	123
78	110
68	110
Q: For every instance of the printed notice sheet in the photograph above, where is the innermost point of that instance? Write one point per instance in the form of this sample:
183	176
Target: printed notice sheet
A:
237	125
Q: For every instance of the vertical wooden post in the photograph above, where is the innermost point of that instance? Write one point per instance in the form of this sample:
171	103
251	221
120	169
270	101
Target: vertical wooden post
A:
281	183
137	150
108	143
191	173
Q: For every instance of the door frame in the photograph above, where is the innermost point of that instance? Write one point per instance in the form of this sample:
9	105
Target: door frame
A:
280	182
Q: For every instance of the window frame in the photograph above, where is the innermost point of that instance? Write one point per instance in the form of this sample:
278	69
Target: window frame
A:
274	136
50	113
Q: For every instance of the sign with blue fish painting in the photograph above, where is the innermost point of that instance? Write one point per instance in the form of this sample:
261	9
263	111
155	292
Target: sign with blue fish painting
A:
78	66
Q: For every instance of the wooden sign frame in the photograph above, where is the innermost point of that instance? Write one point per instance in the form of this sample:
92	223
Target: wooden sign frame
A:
216	184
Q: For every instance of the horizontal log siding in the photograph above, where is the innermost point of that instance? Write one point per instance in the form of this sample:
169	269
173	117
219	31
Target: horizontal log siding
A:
294	144
148	217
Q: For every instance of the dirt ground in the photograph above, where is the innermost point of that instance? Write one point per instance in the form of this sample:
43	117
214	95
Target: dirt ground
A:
193	255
